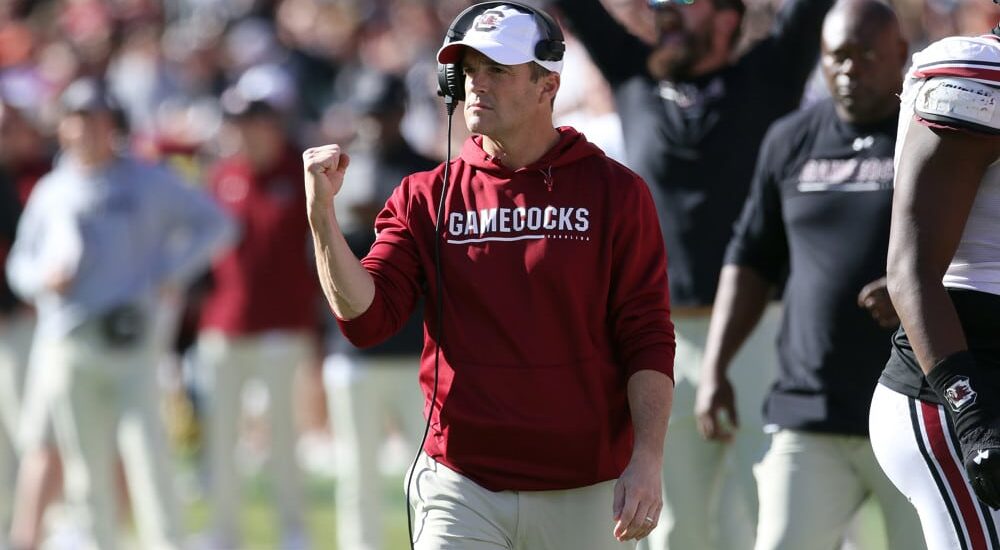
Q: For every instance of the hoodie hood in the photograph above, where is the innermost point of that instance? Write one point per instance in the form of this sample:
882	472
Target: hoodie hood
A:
571	147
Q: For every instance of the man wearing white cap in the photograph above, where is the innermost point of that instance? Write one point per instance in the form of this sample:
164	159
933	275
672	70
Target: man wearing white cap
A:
548	349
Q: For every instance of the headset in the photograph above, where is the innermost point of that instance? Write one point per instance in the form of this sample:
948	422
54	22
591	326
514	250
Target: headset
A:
451	81
451	86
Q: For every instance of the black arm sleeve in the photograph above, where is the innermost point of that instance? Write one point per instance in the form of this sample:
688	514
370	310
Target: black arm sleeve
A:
789	54
618	54
759	239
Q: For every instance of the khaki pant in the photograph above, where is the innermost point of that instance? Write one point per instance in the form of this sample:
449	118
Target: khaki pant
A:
451	512
363	394
710	498
812	485
101	396
229	362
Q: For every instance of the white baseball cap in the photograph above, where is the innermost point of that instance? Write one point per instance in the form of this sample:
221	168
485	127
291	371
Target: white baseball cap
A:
505	35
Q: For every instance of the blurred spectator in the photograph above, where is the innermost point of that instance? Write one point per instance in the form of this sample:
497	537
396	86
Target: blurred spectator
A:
369	389
100	238
259	319
823	182
586	103
22	161
693	115
25	157
973	18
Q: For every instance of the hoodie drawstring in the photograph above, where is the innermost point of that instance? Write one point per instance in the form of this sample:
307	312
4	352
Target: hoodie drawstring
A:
547	177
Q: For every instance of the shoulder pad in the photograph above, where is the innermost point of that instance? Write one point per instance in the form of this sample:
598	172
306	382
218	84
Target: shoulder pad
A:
970	57
959	103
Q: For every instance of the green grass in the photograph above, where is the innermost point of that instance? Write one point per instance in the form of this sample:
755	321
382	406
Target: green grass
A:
260	529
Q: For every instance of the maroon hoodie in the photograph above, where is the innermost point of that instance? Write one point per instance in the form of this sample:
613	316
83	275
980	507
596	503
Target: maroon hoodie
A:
267	281
555	292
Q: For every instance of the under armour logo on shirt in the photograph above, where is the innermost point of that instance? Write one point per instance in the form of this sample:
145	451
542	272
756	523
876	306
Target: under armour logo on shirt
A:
863	143
981	456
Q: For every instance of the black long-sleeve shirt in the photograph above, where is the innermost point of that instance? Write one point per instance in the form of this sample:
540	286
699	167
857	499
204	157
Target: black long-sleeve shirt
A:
697	151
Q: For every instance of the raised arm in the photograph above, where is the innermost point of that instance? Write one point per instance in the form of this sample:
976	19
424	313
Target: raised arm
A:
618	54
789	53
348	286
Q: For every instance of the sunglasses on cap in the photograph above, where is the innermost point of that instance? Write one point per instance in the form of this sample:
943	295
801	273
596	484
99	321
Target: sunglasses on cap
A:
659	4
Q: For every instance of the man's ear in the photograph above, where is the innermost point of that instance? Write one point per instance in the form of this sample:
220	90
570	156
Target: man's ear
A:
550	85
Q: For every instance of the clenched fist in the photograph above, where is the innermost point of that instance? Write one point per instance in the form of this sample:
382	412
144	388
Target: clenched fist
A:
324	169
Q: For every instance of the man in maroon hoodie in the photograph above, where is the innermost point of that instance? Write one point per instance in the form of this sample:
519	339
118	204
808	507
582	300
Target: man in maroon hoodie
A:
549	399
259	319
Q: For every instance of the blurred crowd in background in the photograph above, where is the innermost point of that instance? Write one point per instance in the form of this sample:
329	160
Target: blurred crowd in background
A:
355	72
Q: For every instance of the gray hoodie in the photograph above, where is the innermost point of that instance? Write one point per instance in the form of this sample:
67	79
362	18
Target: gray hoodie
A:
123	231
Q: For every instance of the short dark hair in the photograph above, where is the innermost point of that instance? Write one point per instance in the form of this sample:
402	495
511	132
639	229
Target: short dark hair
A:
537	71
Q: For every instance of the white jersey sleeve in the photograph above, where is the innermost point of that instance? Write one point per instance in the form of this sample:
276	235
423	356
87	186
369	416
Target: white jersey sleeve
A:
955	83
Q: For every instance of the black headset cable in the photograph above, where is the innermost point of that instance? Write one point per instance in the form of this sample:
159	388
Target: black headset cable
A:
450	104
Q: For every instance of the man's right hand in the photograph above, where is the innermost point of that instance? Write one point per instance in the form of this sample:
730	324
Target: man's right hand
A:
971	399
715	409
984	475
324	170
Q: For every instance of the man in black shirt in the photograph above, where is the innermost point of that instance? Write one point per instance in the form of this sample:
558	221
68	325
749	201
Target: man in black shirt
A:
693	119
819	211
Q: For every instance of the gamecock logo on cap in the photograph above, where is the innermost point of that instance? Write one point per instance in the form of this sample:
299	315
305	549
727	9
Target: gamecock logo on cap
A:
488	21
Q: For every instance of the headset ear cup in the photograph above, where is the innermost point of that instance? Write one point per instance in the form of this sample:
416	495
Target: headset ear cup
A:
443	87
550	50
450	82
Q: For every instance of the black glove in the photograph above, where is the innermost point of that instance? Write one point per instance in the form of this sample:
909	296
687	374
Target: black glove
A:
973	402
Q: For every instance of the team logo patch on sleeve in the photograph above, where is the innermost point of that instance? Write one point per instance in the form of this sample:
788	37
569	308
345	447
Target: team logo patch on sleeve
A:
960	394
958	101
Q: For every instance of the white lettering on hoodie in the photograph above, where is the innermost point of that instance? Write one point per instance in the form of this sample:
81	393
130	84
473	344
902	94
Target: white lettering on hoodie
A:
515	224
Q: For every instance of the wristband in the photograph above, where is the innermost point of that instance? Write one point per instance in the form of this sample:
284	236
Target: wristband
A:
953	379
969	397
